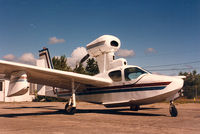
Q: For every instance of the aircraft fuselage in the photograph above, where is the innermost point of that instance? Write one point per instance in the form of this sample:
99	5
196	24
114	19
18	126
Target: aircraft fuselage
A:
131	85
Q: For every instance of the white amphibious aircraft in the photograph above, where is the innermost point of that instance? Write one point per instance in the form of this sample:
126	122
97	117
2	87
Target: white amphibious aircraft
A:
117	84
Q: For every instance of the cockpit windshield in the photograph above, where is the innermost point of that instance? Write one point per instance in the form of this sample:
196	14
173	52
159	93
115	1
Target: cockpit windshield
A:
133	73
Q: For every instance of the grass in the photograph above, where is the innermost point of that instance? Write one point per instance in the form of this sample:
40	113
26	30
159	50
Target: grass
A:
184	100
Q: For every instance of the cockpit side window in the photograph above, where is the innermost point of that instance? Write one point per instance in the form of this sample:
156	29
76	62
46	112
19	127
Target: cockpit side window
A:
116	75
132	73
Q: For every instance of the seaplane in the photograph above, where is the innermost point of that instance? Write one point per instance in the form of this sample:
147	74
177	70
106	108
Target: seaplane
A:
117	84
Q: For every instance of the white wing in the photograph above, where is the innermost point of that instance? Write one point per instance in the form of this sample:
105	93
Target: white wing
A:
51	77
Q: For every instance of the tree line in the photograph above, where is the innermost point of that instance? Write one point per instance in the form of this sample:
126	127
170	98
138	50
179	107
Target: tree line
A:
191	88
91	68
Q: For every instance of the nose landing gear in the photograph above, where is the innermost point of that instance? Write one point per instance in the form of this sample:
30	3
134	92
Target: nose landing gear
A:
172	109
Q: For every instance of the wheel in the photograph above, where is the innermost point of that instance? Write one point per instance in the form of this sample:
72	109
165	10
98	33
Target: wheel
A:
69	109
173	111
134	108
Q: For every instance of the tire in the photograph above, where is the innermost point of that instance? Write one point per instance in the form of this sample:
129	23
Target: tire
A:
69	109
173	111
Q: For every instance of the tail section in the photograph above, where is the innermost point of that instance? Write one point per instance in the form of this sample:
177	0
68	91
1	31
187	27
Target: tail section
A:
45	55
46	62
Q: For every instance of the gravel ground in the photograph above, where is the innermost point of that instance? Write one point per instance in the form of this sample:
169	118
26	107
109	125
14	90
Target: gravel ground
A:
49	117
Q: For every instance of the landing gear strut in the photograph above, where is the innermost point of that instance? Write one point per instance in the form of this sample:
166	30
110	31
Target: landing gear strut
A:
70	107
135	107
172	109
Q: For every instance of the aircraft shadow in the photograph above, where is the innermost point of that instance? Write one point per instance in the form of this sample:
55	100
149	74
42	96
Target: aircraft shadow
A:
124	111
148	108
32	114
117	112
23	107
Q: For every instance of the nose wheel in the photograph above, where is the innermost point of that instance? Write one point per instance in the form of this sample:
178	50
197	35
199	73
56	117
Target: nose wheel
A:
172	109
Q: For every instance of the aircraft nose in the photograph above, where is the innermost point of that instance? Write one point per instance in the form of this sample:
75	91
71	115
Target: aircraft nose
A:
178	83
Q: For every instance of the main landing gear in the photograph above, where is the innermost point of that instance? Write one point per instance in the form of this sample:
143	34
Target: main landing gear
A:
172	109
70	107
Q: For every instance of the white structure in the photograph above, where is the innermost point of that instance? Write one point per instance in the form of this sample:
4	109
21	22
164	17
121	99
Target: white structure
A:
17	82
4	86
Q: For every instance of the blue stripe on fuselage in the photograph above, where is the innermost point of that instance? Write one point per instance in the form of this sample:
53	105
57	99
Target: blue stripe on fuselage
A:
117	90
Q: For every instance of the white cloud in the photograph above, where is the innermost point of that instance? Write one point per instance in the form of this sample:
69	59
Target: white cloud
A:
150	50
28	58
76	56
9	57
125	53
54	40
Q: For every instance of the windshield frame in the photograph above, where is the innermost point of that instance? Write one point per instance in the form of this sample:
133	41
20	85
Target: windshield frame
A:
134	75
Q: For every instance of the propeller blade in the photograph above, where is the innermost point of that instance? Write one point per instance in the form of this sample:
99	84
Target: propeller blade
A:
85	58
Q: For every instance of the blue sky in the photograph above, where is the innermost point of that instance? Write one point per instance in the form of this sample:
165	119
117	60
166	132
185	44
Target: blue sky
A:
160	32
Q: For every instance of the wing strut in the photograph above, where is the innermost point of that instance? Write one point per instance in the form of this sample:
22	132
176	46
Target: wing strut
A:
70	107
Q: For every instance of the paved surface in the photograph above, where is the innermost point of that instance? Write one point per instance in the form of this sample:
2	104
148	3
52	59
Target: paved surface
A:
36	118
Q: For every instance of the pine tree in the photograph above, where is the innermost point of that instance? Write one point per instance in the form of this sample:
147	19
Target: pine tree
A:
92	67
79	69
60	63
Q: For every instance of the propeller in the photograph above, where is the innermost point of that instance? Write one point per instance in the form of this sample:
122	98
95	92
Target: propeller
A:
84	58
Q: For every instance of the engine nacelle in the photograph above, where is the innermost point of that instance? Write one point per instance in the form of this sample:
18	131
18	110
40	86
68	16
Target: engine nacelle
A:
103	44
103	49
18	84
